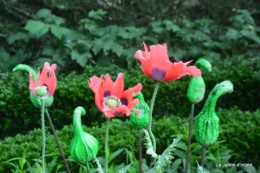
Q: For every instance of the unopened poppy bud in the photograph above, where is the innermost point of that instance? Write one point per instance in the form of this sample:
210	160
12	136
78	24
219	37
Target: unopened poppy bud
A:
197	85
41	91
142	120
83	147
196	89
207	122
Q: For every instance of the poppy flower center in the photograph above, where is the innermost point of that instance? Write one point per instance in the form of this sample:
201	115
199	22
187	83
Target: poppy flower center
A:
112	102
41	91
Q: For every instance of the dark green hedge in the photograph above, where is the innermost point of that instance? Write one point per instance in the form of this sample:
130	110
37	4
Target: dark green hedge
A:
239	129
18	115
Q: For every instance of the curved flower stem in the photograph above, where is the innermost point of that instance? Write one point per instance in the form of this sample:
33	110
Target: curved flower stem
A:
151	115
189	139
106	146
43	134
57	141
140	151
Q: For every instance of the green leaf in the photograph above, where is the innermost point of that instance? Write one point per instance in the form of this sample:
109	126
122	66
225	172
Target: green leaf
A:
250	169
115	154
96	14
42	13
59	55
166	156
250	34
59	20
170	26
58	31
232	34
18	36
81	58
48	50
36	27
149	145
90	26
117	49
99	169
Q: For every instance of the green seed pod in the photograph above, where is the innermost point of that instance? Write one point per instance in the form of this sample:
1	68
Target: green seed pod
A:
207	122
83	147
196	89
35	100
142	120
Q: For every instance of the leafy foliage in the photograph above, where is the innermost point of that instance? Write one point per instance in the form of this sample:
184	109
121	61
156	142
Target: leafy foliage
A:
123	143
48	37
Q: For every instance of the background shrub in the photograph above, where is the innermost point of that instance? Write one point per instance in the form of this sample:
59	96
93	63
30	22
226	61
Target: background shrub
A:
238	129
18	114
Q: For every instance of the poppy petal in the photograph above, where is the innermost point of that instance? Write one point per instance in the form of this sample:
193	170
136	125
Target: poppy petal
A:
52	80
193	70
107	83
118	86
176	71
93	81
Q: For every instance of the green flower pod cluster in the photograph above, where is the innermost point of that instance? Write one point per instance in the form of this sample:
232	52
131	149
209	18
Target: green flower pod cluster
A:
196	89
206	123
35	100
142	120
83	147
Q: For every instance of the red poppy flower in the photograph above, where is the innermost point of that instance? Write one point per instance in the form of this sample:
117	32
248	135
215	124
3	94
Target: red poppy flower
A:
156	64
110	97
46	78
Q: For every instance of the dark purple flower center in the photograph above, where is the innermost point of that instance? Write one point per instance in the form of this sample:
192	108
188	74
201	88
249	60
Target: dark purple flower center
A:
158	74
124	101
106	94
116	114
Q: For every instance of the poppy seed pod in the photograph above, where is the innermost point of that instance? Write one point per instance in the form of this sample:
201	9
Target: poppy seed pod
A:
207	122
196	89
37	102
83	147
142	120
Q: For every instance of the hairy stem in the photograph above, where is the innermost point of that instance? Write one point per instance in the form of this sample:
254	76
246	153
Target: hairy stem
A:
43	134
203	156
57	141
151	115
106	146
189	139
140	151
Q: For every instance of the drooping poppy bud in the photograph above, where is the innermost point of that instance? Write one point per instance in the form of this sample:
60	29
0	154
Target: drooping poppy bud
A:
207	121
140	121
35	100
83	147
196	89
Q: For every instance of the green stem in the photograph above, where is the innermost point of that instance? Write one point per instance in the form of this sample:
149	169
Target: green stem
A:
189	139
43	135
140	151
88	168
203	156
57	141
151	115
106	146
